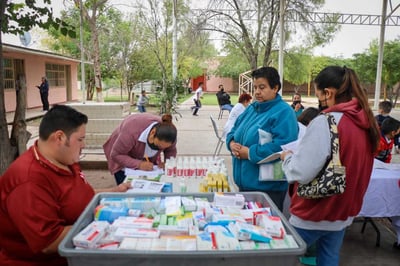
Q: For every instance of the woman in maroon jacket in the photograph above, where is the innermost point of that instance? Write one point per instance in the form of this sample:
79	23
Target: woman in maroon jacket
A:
138	142
323	221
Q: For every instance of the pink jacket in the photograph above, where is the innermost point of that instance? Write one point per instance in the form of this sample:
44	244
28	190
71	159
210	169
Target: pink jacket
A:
123	149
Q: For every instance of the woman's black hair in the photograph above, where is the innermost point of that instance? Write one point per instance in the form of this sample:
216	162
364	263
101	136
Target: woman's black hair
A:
270	74
307	115
166	130
345	81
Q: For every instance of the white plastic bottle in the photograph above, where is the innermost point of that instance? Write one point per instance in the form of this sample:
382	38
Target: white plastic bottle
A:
192	167
199	167
179	167
186	166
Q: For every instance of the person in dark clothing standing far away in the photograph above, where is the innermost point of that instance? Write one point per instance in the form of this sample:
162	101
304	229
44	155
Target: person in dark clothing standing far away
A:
44	93
323	221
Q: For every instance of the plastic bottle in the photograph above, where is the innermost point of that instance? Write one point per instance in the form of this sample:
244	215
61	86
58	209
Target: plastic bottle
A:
199	167
192	167
179	167
185	166
169	168
182	185
204	167
110	213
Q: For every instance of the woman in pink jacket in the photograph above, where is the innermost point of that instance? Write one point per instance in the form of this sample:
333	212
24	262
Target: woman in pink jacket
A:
138	142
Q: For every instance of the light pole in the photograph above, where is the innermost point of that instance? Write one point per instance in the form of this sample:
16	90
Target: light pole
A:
83	86
174	43
281	41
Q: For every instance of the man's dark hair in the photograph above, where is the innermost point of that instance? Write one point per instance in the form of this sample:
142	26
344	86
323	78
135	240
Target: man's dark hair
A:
386	106
269	73
61	117
390	124
307	115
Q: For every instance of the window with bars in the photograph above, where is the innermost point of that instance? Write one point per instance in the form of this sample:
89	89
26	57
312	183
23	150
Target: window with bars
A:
55	74
9	75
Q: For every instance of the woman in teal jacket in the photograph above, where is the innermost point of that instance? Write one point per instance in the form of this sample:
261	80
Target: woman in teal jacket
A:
259	132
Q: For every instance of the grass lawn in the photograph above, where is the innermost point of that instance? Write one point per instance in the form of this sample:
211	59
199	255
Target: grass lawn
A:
211	99
208	98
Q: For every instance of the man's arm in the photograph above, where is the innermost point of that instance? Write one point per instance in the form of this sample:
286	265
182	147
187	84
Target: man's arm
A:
123	187
53	247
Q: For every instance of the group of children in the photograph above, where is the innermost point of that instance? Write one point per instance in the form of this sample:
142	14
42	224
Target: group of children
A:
389	126
390	132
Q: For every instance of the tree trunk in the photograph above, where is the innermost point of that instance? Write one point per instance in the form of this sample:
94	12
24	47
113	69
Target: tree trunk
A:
96	60
5	145
19	134
397	89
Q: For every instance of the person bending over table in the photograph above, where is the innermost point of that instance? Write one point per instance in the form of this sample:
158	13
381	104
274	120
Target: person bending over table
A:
137	143
44	191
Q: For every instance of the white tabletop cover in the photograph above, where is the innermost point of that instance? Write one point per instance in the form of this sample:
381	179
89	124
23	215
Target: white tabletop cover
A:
383	194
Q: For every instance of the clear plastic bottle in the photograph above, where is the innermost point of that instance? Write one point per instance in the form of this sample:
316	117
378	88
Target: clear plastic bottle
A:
199	167
179	167
182	185
192	167
185	166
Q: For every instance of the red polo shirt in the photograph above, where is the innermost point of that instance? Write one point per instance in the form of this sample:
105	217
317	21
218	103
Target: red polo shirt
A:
37	200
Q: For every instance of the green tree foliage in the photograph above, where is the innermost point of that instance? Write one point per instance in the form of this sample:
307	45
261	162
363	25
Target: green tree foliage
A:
233	64
365	65
16	18
252	26
297	67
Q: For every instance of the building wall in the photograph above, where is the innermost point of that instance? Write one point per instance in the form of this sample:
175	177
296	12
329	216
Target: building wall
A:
34	70
230	85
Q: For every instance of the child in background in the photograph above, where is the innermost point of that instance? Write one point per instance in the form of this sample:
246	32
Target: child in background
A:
142	101
305	118
384	109
389	129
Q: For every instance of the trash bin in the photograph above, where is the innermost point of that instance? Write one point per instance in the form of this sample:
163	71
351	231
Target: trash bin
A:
88	257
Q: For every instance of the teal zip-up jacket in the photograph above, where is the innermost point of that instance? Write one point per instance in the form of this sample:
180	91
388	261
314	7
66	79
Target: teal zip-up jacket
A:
275	117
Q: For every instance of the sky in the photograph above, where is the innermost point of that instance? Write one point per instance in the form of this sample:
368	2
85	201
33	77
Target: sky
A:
356	38
349	40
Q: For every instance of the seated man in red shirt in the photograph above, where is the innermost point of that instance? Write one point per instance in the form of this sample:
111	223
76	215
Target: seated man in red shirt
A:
43	192
389	129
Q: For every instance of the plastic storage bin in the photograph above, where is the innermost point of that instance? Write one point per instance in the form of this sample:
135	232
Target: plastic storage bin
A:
85	257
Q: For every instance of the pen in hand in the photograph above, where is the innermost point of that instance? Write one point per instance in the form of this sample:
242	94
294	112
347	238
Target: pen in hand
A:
146	165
